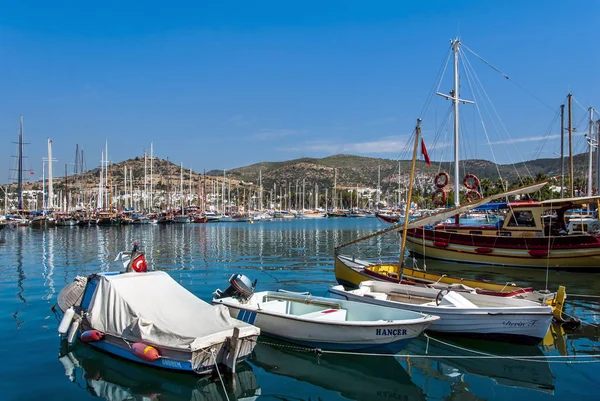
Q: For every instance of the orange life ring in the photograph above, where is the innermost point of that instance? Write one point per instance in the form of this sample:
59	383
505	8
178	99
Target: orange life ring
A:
437	179
473	196
438	199
475	180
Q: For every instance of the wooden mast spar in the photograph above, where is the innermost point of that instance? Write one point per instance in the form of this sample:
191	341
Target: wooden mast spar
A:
409	195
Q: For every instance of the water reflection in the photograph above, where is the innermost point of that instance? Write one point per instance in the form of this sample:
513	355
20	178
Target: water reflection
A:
518	366
114	379
297	255
356	377
20	280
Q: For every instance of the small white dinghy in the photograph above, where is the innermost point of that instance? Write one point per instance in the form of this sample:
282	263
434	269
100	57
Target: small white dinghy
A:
465	313
321	322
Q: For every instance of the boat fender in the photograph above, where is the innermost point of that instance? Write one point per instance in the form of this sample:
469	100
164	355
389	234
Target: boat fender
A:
473	196
91	336
441	179
538	253
73	331
471	181
484	250
439	197
440	244
65	322
145	352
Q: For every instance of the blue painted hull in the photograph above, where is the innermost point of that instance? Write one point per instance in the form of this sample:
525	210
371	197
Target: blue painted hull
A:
164	363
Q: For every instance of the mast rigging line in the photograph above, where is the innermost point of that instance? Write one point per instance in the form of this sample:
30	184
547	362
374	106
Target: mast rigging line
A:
507	77
470	70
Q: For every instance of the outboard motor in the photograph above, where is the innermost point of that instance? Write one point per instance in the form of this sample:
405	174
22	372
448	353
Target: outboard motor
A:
240	287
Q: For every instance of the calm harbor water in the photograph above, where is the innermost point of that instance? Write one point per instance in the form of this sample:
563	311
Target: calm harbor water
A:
296	255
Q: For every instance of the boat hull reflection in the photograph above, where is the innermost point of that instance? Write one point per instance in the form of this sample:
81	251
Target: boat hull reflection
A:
357	377
115	379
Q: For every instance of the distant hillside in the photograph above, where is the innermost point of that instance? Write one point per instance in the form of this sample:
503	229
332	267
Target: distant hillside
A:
351	171
363	171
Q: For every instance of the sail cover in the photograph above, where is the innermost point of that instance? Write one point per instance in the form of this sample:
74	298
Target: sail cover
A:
153	307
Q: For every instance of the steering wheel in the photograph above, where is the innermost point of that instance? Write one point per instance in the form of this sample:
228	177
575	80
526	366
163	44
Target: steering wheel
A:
441	295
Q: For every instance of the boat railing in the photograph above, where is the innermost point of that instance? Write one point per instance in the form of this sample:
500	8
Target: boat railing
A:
306	300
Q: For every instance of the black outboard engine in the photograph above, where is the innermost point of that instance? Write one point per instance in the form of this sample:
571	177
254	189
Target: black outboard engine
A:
241	287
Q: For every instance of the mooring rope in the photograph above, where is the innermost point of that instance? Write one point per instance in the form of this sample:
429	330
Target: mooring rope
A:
568	359
219	374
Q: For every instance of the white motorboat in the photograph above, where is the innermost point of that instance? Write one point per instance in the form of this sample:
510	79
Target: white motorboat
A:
321	322
465	313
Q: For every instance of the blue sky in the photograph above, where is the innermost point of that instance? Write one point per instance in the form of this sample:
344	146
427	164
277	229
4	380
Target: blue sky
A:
218	86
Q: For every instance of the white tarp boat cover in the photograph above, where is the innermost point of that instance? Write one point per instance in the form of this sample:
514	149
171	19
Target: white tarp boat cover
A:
153	307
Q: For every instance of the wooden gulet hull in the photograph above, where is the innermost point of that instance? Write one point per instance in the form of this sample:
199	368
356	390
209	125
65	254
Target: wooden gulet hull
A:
558	253
350	273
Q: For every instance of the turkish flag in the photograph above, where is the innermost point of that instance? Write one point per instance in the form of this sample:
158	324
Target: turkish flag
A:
139	264
424	151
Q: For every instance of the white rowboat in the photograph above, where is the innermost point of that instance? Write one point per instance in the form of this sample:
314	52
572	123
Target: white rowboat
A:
464	313
327	323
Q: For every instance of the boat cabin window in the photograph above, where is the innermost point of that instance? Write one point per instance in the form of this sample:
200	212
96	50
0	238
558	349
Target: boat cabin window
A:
521	218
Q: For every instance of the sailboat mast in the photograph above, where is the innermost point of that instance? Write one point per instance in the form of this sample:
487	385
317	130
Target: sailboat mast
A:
151	188
409	195
181	185
20	165
50	187
562	150
570	103
378	187
591	143
455	46
456	100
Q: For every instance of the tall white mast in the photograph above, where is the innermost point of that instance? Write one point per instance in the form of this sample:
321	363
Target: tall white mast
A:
125	186
455	101
151	189
100	203
399	191
106	197
50	187
592	144
260	194
145	181
378	187
181	186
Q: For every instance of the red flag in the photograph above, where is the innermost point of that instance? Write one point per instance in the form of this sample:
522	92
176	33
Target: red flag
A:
424	151
31	172
139	264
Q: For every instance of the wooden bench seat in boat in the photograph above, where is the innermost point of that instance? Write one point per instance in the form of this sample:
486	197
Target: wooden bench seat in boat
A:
338	315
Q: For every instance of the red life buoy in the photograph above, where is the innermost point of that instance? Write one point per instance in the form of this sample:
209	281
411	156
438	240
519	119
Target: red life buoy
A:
473	196
439	197
471	181
443	175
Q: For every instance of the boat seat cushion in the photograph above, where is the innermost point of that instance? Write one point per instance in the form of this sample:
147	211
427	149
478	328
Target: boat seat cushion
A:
327	314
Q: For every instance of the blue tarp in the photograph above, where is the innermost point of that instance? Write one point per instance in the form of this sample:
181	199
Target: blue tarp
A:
492	206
